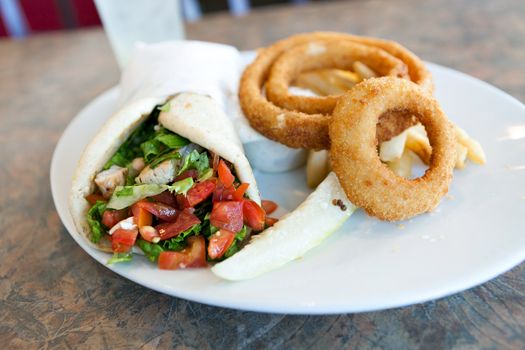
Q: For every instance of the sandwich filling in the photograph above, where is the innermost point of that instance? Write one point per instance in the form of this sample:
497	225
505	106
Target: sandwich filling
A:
181	204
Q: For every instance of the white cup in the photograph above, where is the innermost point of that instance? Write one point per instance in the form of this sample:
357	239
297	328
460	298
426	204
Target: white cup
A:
129	21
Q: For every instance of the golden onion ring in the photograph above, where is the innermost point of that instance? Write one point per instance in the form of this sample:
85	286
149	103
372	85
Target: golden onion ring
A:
368	182
324	54
297	129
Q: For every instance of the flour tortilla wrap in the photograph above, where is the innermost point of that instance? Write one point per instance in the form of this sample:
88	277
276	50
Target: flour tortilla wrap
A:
195	117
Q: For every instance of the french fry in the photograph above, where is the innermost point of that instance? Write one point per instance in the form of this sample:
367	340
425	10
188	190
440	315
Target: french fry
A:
317	83
393	149
461	155
346	77
327	81
474	150
363	70
402	166
417	141
317	167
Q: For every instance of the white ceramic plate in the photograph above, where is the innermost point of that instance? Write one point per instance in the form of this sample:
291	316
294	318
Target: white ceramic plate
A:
476	233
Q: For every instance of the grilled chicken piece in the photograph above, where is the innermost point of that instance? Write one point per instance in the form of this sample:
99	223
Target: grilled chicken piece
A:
163	173
108	180
136	166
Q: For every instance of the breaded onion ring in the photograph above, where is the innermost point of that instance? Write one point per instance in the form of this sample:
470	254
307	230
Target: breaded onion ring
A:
297	129
324	54
368	182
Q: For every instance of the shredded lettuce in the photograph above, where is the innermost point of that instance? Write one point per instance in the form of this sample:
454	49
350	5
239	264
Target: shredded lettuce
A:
125	196
131	149
120	257
162	142
165	107
151	250
124	191
196	160
94	219
205	175
236	245
171	140
177	243
162	158
148	140
151	149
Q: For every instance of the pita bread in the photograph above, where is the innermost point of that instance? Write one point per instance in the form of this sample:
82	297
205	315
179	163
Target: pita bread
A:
195	117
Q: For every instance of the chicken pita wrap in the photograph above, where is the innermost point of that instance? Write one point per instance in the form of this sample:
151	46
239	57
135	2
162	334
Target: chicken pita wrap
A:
167	177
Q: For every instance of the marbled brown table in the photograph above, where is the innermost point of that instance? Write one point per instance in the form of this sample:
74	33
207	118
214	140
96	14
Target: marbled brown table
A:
53	295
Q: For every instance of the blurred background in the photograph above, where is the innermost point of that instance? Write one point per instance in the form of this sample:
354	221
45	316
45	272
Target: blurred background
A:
20	18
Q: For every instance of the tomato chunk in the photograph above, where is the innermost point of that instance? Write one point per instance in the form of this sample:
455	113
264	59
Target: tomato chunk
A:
198	193
239	192
269	206
122	240
112	217
227	215
254	215
93	198
184	221
220	241
194	255
141	216
225	174
193	173
160	210
223	193
270	221
166	197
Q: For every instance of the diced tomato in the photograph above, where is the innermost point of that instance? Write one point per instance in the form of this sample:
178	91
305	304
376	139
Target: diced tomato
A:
239	192
160	210
223	193
270	221
166	197
269	206
254	215
198	193
227	215
141	216
193	173
149	234
122	240
93	198
194	255
219	243
112	217
184	221
225	174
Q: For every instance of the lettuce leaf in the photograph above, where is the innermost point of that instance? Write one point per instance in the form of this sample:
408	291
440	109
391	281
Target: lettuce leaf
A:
165	107
120	257
125	196
131	149
196	160
151	149
94	219
161	158
162	142
172	140
177	243
151	250
148	140
236	245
